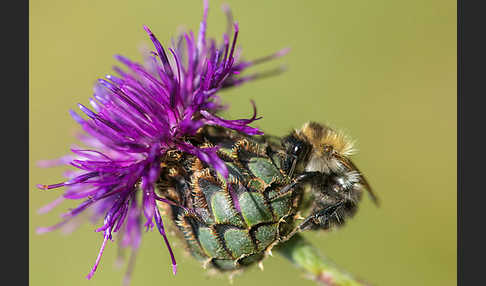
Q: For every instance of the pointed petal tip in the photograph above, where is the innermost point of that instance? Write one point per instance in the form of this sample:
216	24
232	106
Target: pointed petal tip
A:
146	28
47	208
206	7
76	117
86	110
283	52
174	269
42	164
119	57
42	187
41	230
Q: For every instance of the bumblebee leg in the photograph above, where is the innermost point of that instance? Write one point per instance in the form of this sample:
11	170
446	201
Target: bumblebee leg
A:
302	179
294	163
319	218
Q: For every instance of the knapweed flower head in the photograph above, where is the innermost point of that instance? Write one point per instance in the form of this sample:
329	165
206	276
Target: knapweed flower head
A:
138	116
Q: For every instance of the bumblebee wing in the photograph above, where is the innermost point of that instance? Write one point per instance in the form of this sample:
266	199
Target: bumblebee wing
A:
363	180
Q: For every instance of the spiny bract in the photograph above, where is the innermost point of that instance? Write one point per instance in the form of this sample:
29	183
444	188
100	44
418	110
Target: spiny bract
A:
230	223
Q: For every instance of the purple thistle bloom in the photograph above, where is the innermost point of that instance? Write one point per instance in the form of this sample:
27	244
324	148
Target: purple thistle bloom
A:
138	116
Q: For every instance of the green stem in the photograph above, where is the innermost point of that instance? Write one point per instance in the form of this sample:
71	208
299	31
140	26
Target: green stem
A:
302	254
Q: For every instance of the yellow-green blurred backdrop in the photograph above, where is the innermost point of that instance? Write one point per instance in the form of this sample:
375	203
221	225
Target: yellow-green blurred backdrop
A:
384	71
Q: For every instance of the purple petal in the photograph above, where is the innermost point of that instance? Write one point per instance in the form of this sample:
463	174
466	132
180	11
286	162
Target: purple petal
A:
160	226
100	253
232	124
148	206
42	230
160	51
207	155
234	198
47	208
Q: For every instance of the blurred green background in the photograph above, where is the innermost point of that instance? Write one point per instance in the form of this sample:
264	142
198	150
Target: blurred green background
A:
384	71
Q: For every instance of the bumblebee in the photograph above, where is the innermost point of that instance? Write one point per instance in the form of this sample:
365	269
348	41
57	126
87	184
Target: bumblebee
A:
317	158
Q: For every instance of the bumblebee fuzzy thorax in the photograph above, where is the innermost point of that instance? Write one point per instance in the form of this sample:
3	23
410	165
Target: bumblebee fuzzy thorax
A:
329	148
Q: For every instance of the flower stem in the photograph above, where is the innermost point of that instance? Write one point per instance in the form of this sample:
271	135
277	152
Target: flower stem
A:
304	255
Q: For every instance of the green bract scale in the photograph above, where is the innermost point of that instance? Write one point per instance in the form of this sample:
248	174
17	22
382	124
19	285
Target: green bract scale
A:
230	223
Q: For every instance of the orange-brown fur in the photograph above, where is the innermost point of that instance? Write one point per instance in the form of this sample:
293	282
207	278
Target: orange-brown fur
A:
320	136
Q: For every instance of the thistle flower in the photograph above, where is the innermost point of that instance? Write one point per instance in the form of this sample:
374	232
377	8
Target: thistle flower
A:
136	118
